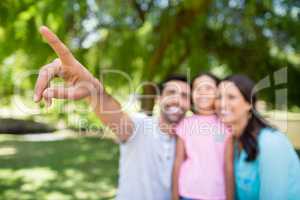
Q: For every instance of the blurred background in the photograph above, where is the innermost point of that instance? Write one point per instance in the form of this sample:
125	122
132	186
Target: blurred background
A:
63	152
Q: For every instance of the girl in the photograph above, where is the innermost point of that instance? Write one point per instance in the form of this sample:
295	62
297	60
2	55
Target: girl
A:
198	171
265	163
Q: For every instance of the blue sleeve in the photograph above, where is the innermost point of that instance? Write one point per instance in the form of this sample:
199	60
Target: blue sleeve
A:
274	157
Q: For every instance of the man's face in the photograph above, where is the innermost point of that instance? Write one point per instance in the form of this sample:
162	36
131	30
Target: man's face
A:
175	100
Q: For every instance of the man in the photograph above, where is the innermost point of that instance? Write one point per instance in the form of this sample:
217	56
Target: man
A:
147	144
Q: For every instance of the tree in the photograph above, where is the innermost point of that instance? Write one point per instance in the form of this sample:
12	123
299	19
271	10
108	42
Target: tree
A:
150	39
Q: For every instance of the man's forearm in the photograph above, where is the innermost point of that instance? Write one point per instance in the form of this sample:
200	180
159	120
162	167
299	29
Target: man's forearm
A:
110	112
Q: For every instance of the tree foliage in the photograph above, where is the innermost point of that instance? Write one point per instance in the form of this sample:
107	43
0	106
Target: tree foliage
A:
150	39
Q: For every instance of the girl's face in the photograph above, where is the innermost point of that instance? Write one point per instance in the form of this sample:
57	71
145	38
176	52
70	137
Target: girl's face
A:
230	104
204	93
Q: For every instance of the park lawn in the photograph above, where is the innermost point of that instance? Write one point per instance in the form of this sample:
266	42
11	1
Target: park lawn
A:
69	169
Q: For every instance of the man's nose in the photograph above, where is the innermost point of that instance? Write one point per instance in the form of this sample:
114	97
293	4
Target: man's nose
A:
176	100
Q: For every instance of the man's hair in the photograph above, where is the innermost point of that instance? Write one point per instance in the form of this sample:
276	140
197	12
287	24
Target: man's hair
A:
173	77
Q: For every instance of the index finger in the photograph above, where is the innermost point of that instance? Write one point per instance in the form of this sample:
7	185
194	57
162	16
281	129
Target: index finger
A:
46	74
57	45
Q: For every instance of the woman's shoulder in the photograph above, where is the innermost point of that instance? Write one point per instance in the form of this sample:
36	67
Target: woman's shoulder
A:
276	150
269	134
271	138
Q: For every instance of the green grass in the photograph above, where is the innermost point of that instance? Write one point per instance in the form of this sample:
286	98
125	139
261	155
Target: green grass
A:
82	168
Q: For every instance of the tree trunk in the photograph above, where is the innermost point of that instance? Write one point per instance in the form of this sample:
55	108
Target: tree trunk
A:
182	19
148	99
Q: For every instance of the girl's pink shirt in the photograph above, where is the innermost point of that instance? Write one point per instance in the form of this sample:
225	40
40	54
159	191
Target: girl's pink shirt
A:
201	175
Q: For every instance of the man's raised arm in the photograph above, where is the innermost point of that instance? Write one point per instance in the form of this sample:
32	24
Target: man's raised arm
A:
81	84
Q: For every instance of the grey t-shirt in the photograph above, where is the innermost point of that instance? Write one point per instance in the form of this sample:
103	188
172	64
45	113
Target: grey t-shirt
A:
146	162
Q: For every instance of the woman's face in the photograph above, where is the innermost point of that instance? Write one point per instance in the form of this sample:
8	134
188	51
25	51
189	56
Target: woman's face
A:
230	104
204	93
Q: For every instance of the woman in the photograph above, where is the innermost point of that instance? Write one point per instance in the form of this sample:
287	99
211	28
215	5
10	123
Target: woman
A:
266	165
199	165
